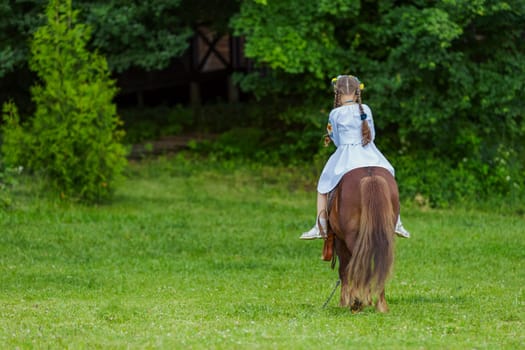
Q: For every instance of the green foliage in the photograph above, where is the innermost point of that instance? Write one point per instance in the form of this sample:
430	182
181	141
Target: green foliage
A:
147	124
239	143
443	79
19	20
442	182
15	141
290	37
72	139
276	133
130	34
8	179
299	135
147	34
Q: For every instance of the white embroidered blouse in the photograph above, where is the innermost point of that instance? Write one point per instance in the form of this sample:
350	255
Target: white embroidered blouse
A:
344	128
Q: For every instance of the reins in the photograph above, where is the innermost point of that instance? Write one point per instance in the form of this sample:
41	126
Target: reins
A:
332	294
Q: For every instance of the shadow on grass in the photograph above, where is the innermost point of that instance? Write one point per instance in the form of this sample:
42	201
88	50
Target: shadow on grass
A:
334	309
255	311
425	299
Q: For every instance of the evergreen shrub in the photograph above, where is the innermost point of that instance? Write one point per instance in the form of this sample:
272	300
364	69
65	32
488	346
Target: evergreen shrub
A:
8	178
73	139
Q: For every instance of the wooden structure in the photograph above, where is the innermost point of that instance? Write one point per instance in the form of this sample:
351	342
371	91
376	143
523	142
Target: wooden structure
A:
202	74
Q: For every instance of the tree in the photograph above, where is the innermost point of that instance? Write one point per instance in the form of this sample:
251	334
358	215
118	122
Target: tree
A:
146	34
19	20
72	140
444	78
142	34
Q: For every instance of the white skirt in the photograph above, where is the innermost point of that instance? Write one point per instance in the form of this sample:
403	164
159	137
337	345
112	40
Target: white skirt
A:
348	157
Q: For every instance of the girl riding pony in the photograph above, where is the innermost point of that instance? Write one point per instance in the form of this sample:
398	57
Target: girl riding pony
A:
351	128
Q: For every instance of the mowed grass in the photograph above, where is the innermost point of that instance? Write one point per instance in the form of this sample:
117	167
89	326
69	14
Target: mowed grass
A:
194	256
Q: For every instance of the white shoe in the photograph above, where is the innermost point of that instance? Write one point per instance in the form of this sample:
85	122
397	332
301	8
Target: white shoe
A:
312	234
401	231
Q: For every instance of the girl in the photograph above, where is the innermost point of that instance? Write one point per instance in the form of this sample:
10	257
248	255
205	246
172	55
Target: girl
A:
351	128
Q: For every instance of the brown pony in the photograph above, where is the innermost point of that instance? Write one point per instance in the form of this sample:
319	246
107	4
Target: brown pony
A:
363	212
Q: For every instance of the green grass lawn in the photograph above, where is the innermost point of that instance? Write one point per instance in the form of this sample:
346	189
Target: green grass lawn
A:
191	256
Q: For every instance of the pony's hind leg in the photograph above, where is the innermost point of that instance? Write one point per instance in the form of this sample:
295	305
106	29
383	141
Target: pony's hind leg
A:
345	294
345	286
381	305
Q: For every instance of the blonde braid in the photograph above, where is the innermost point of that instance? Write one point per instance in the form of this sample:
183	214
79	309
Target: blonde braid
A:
337	98
365	128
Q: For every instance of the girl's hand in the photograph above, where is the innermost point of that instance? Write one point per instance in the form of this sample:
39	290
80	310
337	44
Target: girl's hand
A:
327	140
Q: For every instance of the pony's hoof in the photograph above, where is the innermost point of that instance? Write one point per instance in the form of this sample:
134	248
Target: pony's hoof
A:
356	306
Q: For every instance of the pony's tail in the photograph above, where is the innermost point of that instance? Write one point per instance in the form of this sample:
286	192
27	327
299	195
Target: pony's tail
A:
373	252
